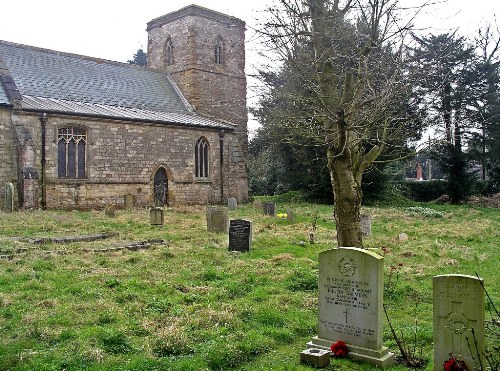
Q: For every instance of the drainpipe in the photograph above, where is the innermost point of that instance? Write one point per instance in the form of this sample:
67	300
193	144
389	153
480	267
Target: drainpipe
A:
43	122
221	170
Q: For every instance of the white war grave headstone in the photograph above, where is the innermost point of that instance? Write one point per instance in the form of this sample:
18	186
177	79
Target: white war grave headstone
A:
350	289
458	307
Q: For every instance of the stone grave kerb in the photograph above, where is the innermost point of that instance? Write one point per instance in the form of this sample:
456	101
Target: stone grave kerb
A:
350	304
458	306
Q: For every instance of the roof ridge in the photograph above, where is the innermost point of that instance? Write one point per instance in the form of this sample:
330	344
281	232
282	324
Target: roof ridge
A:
79	56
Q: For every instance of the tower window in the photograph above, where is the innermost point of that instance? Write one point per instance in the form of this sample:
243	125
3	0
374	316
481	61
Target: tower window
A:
71	152
201	158
218	52
169	52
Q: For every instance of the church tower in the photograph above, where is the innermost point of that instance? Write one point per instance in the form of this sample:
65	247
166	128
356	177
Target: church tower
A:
204	52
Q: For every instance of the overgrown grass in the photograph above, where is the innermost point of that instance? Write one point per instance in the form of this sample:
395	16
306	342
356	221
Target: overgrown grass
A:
192	305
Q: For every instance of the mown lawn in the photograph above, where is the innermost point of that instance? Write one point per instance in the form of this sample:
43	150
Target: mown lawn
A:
189	304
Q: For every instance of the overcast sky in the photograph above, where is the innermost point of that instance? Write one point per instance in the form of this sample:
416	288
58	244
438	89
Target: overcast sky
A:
115	29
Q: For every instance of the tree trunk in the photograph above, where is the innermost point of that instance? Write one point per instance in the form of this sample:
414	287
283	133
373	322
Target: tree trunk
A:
347	199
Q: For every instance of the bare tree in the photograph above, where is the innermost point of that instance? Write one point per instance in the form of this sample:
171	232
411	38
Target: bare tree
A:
348	55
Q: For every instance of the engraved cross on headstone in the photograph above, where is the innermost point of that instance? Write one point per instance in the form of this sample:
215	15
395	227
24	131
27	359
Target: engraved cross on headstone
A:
346	313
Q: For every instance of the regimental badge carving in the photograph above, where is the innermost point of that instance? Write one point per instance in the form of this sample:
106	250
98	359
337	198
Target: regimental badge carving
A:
457	323
347	267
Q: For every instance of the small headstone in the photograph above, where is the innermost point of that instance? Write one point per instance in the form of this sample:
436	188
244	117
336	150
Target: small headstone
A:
318	358
240	235
458	307
9	197
129	201
403	237
156	214
257	204
231	203
366	225
290	216
269	208
350	302
217	219
110	210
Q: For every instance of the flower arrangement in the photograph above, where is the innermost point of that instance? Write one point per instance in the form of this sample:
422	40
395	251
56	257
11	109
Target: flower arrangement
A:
453	364
339	349
281	216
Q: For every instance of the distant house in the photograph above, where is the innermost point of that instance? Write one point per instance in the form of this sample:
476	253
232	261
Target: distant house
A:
82	132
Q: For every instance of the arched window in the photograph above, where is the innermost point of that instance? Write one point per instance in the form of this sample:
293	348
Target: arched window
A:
218	51
169	52
71	152
201	163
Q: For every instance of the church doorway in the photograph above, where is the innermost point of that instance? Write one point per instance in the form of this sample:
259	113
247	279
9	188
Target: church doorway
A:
160	187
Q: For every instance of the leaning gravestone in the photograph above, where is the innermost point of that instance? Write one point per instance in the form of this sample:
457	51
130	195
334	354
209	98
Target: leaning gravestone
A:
231	203
458	307
217	219
240	235
366	225
350	290
269	208
9	197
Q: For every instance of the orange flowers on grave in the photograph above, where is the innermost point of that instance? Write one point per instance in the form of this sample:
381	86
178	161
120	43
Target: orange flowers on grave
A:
454	364
339	349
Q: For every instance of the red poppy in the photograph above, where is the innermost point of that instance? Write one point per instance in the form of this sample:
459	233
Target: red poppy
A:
454	364
339	349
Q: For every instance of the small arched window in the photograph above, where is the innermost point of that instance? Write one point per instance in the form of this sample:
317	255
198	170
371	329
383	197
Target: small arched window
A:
169	52
218	51
201	154
71	152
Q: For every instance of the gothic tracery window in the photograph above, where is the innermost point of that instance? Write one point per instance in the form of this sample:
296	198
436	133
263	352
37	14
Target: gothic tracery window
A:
201	154
71	152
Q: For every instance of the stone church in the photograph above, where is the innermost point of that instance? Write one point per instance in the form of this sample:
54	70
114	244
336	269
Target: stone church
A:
78	132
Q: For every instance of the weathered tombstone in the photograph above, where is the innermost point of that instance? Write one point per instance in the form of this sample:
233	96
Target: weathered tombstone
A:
110	210
350	290
366	225
269	208
257	204
240	235
9	197
129	201
290	216
231	203
217	219
458	307
156	215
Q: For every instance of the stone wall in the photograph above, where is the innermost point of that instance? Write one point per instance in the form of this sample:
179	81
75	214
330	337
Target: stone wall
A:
122	158
8	154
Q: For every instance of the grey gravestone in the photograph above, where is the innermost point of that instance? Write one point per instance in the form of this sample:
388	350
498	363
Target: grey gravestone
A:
269	208
257	204
317	358
240	235
458	307
9	197
156	215
290	216
366	225
350	290
231	203
217	219
129	201
110	210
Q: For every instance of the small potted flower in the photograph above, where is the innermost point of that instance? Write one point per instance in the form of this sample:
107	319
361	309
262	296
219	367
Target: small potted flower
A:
339	349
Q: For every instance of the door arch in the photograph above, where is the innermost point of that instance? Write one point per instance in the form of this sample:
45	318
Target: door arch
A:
160	187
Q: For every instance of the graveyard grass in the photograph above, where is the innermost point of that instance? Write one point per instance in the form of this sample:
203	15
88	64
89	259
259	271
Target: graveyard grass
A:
192	305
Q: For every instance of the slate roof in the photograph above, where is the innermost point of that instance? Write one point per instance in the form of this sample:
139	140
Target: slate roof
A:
52	81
